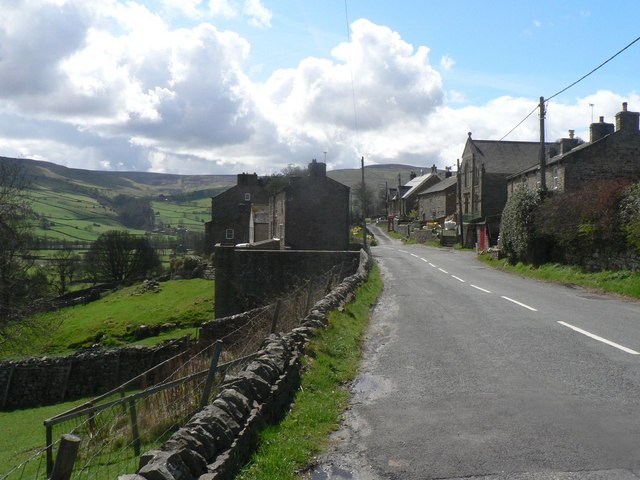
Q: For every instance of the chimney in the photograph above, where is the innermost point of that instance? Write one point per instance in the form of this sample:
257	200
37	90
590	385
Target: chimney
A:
447	172
627	121
567	144
412	175
247	179
434	169
600	130
317	169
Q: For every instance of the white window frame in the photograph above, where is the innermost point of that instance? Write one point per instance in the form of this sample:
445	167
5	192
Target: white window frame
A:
229	234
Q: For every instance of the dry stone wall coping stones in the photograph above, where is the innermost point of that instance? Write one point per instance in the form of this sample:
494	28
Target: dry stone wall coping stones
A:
221	437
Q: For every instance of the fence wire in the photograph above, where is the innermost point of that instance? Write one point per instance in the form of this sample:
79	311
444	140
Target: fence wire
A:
115	428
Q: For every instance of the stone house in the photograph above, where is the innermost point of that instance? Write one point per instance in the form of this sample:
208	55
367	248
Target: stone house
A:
484	169
613	151
438	202
312	212
239	214
403	199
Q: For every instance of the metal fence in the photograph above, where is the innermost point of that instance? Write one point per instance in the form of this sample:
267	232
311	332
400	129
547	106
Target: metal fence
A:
115	428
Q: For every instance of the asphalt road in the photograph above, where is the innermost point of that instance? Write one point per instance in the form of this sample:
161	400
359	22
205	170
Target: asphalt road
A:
473	373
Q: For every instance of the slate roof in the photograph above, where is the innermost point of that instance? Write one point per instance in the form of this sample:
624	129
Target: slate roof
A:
504	157
416	183
440	186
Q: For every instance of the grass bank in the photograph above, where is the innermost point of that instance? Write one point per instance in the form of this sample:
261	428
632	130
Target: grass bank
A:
114	318
623	282
332	362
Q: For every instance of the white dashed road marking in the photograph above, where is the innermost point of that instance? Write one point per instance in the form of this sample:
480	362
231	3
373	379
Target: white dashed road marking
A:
481	289
600	339
519	303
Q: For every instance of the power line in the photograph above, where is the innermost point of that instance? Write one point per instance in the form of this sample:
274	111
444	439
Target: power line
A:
571	85
519	123
595	69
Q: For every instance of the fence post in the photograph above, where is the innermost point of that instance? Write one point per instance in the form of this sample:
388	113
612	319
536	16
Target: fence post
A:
307	304
134	427
49	446
276	314
66	457
8	387
208	385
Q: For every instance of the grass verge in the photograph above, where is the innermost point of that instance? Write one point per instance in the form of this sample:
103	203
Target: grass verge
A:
332	362
623	282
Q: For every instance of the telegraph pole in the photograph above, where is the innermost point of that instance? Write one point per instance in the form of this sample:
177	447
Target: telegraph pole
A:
364	209
543	163
459	188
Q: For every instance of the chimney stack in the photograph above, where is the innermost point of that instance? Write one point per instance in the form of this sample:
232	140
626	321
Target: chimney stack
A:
600	130
568	144
317	169
627	121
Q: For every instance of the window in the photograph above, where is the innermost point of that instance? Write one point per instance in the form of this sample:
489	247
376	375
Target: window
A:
466	174
229	233
538	182
247	197
554	179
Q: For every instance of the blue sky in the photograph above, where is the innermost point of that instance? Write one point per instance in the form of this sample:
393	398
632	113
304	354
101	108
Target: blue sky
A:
222	86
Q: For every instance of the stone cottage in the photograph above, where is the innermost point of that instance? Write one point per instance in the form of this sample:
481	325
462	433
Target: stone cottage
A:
438	202
613	151
312	212
239	214
484	169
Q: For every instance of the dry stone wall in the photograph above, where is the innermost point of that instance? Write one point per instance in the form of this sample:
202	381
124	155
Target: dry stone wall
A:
222	436
48	380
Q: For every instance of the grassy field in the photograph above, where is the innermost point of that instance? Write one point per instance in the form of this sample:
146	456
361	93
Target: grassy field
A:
112	319
23	435
333	361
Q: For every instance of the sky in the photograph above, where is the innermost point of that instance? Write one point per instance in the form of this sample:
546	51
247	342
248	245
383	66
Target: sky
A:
230	86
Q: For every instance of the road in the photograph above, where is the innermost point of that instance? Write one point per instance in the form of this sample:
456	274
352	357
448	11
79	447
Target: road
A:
469	372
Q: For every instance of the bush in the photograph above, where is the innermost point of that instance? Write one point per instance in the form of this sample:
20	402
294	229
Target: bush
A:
518	225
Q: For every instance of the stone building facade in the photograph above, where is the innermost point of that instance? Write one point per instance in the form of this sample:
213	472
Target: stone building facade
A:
484	169
439	201
613	152
312	212
239	214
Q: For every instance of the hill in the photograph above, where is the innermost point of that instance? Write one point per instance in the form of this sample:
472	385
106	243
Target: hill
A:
74	204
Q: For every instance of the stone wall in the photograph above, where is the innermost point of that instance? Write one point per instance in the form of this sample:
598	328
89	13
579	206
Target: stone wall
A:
248	278
220	438
49	380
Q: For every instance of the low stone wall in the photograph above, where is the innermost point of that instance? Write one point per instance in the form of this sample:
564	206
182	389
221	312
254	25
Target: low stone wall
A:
49	380
222	436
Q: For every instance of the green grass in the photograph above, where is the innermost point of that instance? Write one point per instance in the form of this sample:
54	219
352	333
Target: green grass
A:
185	303
623	282
23	435
333	361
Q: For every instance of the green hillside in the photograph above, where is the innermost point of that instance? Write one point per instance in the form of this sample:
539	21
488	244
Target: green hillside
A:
73	204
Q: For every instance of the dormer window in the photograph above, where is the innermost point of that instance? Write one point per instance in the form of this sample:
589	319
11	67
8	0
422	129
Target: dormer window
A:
247	197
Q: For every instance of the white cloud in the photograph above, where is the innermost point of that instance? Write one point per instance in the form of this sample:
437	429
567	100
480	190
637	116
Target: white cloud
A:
446	62
109	84
258	15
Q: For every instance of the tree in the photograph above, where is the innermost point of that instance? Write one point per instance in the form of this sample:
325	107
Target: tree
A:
119	256
20	290
65	264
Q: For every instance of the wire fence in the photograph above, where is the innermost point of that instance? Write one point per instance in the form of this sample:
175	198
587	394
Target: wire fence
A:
139	415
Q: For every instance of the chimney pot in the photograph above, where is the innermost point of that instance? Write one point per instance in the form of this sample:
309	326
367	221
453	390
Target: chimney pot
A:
571	133
601	119
624	106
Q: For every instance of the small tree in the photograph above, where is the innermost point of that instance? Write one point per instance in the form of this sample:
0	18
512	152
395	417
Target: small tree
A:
21	289
119	256
65	265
